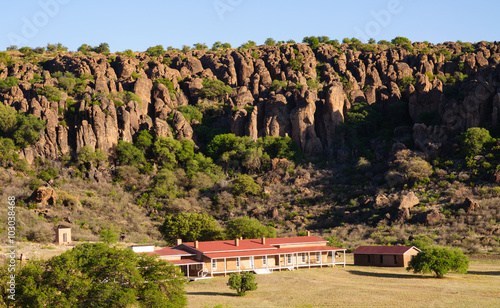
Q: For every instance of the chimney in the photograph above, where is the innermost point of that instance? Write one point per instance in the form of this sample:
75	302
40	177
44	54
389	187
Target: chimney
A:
196	245
263	241
241	238
178	242
308	233
237	242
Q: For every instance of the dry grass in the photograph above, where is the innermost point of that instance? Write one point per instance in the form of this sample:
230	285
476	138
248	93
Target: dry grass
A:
357	286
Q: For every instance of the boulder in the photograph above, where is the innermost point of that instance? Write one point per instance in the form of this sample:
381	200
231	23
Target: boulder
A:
408	201
44	196
470	205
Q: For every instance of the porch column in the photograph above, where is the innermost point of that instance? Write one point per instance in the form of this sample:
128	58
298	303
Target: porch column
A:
344	259
321	259
333	258
225	267
296	260
309	259
187	270
279	261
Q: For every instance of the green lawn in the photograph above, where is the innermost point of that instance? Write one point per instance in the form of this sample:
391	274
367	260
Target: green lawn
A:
357	286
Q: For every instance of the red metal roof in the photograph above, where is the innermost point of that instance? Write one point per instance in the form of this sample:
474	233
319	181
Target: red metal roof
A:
222	246
267	252
170	251
253	244
295	240
381	250
184	262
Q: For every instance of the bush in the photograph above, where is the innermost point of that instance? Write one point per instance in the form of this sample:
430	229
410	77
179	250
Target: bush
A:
144	141
277	84
270	42
473	140
128	154
439	260
219	45
405	82
245	185
53	94
248	45
125	97
27	130
200	46
190	112
190	227
87	155
214	89
400	40
108	236
7	83
248	228
155	51
242	282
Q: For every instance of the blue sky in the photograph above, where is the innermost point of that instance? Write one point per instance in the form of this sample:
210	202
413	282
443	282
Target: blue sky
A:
138	25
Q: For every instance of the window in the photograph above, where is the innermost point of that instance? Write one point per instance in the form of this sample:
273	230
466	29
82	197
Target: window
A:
395	259
264	260
318	257
304	257
238	262
381	259
214	264
289	259
369	259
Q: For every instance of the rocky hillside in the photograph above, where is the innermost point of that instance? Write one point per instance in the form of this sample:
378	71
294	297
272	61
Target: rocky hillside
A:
357	111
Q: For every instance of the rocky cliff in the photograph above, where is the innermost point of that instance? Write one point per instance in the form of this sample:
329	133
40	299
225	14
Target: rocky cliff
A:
288	90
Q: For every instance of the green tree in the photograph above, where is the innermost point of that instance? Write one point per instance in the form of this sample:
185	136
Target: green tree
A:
87	155
400	40
9	82
439	260
200	46
8	119
248	45
144	141
155	51
102	48
473	140
245	185
214	89
84	48
108	236
27	130
95	275
270	42
242	282
128	154
190	227
248	228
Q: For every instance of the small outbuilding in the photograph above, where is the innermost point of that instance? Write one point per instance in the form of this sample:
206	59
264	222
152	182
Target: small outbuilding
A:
63	235
390	256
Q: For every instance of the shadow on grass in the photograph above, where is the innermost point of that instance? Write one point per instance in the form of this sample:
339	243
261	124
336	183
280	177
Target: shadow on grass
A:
486	273
212	294
388	275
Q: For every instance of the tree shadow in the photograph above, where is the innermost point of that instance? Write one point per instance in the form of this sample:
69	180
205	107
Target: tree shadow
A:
484	273
212	294
388	275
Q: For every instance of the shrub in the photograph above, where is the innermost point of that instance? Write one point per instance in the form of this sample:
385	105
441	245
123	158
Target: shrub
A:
473	140
405	82
242	282
248	228
7	83
144	140
245	185
248	45
108	236
439	260
400	40
87	155
136	75
128	154
270	42
277	84
190	112
296	63
102	48
53	94
214	89
27	130
167	83
155	51
125	97
200	46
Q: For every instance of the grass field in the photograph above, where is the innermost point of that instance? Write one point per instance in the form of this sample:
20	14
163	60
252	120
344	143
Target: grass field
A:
357	286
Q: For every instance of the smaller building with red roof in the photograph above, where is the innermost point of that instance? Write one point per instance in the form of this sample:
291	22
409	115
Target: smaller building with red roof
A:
390	256
262	256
